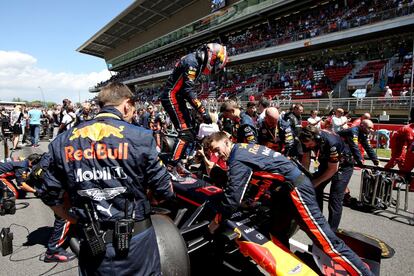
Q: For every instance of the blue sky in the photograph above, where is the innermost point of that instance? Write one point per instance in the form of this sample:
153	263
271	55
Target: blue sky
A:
38	42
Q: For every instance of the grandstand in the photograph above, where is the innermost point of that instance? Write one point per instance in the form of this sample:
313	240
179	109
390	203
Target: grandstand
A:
9	106
301	50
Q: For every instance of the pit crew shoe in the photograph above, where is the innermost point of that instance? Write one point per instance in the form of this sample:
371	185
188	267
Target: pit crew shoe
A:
59	257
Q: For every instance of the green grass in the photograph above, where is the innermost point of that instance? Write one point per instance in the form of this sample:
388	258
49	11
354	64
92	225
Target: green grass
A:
383	153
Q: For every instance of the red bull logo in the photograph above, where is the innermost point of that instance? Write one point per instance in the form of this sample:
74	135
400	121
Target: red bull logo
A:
97	151
97	131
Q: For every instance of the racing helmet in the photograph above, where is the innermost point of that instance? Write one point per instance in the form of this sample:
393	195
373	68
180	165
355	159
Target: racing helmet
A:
215	58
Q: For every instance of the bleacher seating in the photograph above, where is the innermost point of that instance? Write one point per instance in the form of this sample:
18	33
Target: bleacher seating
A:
396	88
337	73
372	68
404	80
334	74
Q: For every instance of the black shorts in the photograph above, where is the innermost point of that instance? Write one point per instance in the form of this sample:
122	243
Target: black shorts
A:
17	129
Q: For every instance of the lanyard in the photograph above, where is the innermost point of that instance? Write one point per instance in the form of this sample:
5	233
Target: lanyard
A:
273	134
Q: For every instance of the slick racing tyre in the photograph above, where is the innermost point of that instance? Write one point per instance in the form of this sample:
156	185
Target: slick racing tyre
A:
172	248
171	245
74	245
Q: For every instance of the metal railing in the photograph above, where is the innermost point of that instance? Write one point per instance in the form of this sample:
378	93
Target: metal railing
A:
373	105
369	104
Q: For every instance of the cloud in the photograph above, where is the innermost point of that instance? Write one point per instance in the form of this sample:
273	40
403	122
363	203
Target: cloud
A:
21	78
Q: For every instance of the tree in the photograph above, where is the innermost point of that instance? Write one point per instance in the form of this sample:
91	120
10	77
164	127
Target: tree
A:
18	99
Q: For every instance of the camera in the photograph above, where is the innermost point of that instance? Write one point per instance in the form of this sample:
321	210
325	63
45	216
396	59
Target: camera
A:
7	203
6	241
6	130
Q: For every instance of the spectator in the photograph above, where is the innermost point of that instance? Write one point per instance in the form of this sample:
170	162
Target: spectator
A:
339	121
314	119
403	95
68	119
84	114
390	75
319	93
56	120
34	121
388	96
16	126
25	125
4	119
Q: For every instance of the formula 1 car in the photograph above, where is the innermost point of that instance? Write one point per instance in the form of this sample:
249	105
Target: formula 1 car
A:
241	246
244	238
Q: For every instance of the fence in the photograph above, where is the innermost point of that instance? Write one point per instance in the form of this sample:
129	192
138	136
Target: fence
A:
369	104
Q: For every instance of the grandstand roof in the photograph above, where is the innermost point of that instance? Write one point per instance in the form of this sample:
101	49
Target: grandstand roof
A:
137	18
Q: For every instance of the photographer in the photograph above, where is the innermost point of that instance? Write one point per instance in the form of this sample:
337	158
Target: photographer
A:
5	122
18	170
84	114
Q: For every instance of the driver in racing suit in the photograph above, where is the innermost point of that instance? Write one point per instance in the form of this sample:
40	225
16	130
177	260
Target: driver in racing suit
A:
255	172
107	166
179	90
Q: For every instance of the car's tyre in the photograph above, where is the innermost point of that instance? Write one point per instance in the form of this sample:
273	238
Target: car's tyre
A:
172	247
74	245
